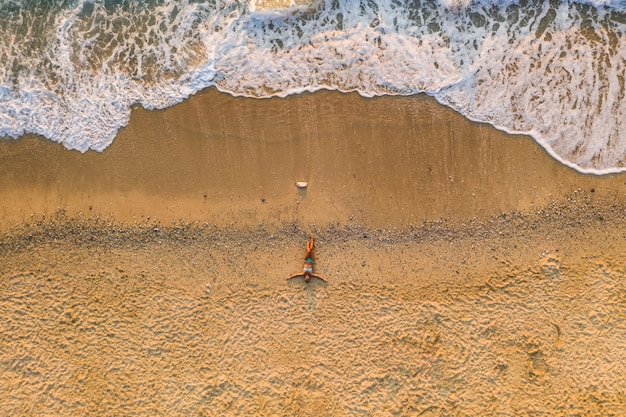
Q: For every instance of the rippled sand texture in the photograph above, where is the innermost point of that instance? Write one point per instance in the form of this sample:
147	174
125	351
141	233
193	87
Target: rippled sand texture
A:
129	329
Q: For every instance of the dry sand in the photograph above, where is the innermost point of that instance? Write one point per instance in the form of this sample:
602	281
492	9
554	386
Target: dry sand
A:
469	273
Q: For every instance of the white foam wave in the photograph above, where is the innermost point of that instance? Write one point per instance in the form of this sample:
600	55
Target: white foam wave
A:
456	4
555	71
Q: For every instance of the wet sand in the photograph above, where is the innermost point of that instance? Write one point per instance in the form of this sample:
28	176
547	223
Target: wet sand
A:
381	162
469	273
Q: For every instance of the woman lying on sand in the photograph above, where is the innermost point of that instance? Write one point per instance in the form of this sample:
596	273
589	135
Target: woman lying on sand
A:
307	269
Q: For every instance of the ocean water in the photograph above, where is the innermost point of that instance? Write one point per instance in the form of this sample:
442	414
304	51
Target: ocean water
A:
72	70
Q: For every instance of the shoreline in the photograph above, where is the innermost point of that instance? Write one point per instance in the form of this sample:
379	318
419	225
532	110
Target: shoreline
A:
379	162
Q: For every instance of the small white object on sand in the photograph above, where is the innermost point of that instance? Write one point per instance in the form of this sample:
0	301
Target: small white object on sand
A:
301	184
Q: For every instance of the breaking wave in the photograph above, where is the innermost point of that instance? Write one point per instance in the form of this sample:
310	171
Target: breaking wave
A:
72	70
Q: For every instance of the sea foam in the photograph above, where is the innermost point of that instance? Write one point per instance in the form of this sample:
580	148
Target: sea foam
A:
554	70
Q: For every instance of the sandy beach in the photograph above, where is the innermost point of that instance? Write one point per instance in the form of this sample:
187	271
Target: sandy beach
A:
469	273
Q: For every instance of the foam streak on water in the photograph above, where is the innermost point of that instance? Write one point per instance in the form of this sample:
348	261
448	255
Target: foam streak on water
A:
72	70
